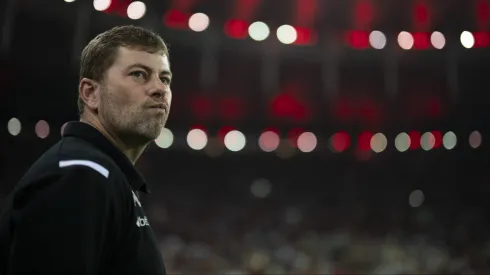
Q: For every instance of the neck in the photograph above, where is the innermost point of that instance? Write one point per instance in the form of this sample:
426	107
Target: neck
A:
131	151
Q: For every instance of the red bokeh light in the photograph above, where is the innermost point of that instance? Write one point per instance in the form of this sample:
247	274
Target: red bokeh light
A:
364	13
482	39
287	106
305	36
176	19
422	14
340	141
364	141
437	139
421	40
358	39
119	7
237	29
414	140
482	13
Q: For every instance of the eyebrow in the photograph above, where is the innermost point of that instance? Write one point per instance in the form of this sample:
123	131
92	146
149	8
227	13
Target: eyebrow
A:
166	72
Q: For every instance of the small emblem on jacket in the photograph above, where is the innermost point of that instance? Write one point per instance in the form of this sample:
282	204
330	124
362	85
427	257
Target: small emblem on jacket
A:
136	200
140	222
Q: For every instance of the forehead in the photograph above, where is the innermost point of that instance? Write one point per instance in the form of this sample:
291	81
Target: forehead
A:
126	57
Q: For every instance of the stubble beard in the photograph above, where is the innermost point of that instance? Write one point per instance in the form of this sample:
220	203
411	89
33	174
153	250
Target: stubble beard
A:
136	126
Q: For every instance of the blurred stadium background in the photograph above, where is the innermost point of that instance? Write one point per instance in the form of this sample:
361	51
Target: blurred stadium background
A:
305	137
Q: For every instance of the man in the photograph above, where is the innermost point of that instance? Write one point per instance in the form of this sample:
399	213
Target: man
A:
77	209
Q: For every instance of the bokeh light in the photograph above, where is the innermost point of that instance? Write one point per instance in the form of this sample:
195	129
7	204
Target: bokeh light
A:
405	40
467	39
402	142
449	140
165	139
136	10
307	142
14	126
197	139
475	139
199	22
286	34
258	31
235	141
377	40
42	129
102	5
378	143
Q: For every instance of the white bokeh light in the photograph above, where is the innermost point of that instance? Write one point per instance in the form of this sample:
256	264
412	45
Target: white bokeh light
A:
377	40
438	40
307	142
258	31
287	34
136	10
405	40
378	143
197	139
199	22
14	126
69	1
427	141
102	5
402	142
467	39
235	141
449	140
165	139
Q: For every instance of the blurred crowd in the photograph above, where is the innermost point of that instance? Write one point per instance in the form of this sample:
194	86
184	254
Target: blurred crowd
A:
235	241
235	224
392	213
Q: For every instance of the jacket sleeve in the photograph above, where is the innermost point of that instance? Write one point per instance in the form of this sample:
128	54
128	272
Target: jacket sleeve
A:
66	228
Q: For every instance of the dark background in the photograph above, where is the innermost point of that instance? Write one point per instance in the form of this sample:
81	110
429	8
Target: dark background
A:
325	212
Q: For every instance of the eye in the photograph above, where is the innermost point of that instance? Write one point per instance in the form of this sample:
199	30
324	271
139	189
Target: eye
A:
165	80
139	74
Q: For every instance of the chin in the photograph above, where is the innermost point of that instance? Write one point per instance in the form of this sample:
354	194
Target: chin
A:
154	132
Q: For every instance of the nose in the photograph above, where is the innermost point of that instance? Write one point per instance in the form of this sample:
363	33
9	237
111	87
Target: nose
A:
158	89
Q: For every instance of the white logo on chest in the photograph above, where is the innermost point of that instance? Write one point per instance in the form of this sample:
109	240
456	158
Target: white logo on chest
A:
140	222
136	200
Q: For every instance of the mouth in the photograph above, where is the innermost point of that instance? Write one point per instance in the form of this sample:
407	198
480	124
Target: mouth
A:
160	106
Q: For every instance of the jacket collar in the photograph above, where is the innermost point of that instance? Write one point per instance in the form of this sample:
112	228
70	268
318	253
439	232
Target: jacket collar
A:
89	133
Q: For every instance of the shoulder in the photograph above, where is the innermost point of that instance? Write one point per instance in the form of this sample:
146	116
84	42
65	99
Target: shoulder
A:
72	162
73	155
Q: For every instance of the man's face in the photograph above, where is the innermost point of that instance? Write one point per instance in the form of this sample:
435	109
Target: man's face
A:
135	97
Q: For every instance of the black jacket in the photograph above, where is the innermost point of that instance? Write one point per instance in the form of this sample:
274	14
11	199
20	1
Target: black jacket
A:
77	211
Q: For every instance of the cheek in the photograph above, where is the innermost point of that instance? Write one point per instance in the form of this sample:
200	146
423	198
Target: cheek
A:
123	97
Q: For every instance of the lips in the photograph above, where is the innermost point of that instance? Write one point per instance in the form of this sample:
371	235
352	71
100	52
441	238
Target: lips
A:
162	106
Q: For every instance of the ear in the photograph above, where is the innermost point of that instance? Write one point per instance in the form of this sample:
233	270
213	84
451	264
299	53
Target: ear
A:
89	90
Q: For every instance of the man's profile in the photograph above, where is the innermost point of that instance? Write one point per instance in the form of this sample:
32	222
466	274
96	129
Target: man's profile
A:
77	209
